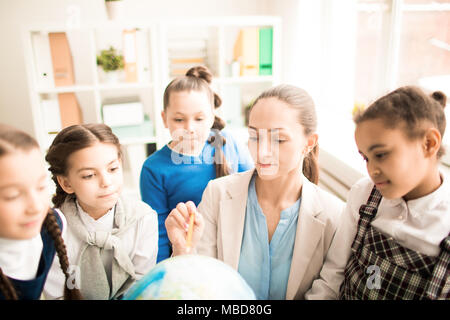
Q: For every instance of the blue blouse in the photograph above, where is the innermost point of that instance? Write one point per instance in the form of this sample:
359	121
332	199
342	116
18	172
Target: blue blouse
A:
266	266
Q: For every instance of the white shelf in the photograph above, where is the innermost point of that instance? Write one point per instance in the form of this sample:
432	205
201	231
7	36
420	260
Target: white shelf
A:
84	88
137	140
244	79
90	38
125	86
76	88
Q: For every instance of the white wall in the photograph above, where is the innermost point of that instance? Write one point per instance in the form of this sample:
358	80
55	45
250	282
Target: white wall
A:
14	14
301	47
318	48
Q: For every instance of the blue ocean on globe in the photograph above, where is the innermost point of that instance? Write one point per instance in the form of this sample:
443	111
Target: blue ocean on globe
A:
191	277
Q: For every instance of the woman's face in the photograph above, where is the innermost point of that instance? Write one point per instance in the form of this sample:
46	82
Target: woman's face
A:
277	141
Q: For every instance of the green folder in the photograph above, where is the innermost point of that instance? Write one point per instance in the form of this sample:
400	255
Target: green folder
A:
265	51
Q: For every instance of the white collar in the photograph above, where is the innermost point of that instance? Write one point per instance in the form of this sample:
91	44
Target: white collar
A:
425	204
104	223
19	259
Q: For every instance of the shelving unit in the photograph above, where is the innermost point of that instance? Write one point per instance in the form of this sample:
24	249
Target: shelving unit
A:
161	41
219	36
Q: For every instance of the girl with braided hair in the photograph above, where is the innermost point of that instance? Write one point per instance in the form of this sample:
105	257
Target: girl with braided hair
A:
111	238
30	232
199	151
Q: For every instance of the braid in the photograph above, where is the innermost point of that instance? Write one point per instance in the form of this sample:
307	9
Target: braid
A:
60	195
7	288
54	230
220	162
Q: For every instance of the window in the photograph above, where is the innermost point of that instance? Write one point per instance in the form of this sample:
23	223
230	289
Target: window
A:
395	43
402	42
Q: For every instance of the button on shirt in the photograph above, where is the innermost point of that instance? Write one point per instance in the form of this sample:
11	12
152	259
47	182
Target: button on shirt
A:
266	266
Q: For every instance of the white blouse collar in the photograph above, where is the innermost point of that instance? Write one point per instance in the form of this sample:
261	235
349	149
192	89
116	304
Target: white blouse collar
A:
104	223
19	259
426	203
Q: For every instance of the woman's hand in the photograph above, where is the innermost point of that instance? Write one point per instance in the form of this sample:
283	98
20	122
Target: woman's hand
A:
177	225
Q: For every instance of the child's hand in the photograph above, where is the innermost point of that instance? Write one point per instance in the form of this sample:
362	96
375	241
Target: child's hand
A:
177	225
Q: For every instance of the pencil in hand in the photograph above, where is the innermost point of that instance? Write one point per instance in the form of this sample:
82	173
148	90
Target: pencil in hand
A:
189	232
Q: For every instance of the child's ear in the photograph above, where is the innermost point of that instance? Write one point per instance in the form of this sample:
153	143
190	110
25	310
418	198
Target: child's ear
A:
431	142
65	184
164	118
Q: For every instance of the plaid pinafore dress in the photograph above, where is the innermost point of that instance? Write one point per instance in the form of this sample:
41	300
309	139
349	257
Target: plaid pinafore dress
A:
380	268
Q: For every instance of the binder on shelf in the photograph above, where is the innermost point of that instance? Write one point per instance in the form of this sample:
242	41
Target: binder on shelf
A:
69	109
185	53
63	72
265	51
187	60
42	60
129	55
143	56
246	50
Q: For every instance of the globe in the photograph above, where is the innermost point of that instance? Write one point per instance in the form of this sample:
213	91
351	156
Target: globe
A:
191	277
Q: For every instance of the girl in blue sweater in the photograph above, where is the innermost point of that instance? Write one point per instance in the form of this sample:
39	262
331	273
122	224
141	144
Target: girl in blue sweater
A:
199	150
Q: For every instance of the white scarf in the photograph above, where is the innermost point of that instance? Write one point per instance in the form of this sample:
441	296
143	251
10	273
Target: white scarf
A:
94	280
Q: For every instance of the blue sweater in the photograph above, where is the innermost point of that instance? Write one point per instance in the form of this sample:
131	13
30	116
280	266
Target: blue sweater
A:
168	178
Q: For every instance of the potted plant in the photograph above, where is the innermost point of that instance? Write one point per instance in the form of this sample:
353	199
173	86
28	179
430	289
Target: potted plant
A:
114	9
111	62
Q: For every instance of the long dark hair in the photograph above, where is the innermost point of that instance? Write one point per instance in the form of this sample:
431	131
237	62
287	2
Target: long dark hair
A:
11	140
70	140
199	79
409	106
301	101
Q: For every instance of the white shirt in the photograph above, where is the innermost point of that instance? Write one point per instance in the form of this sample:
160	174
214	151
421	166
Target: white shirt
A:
19	259
420	224
140	241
